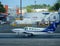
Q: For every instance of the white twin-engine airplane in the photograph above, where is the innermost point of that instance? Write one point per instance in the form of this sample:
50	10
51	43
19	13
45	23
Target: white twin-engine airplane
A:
30	31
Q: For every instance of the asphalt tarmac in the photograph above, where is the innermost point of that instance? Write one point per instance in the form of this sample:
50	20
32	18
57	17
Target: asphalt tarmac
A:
14	35
11	39
29	42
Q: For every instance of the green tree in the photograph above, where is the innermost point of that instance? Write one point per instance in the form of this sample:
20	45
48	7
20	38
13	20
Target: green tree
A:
58	1
44	5
51	8
48	6
2	9
56	6
29	9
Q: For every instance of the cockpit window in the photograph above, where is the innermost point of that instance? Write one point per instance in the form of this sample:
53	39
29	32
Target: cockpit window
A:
46	13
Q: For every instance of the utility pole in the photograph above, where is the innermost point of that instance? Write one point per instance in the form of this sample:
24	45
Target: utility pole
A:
21	17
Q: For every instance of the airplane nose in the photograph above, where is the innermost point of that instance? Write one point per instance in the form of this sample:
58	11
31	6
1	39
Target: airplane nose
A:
14	30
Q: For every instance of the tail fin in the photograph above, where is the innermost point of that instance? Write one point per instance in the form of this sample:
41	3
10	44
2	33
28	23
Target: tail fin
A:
52	26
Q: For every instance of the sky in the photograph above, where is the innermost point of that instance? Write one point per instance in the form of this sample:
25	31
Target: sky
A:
12	3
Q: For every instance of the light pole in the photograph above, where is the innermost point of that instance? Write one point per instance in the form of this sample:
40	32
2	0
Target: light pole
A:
35	4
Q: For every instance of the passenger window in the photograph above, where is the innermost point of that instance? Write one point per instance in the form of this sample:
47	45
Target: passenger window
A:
25	28
54	17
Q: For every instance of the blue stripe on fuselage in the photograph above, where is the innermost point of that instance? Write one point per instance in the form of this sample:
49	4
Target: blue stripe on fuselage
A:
51	27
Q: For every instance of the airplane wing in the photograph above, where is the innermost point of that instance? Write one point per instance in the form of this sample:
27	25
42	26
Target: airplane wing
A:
18	30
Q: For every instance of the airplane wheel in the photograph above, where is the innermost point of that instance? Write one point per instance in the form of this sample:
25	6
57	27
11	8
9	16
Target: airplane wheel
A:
50	32
31	34
28	35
